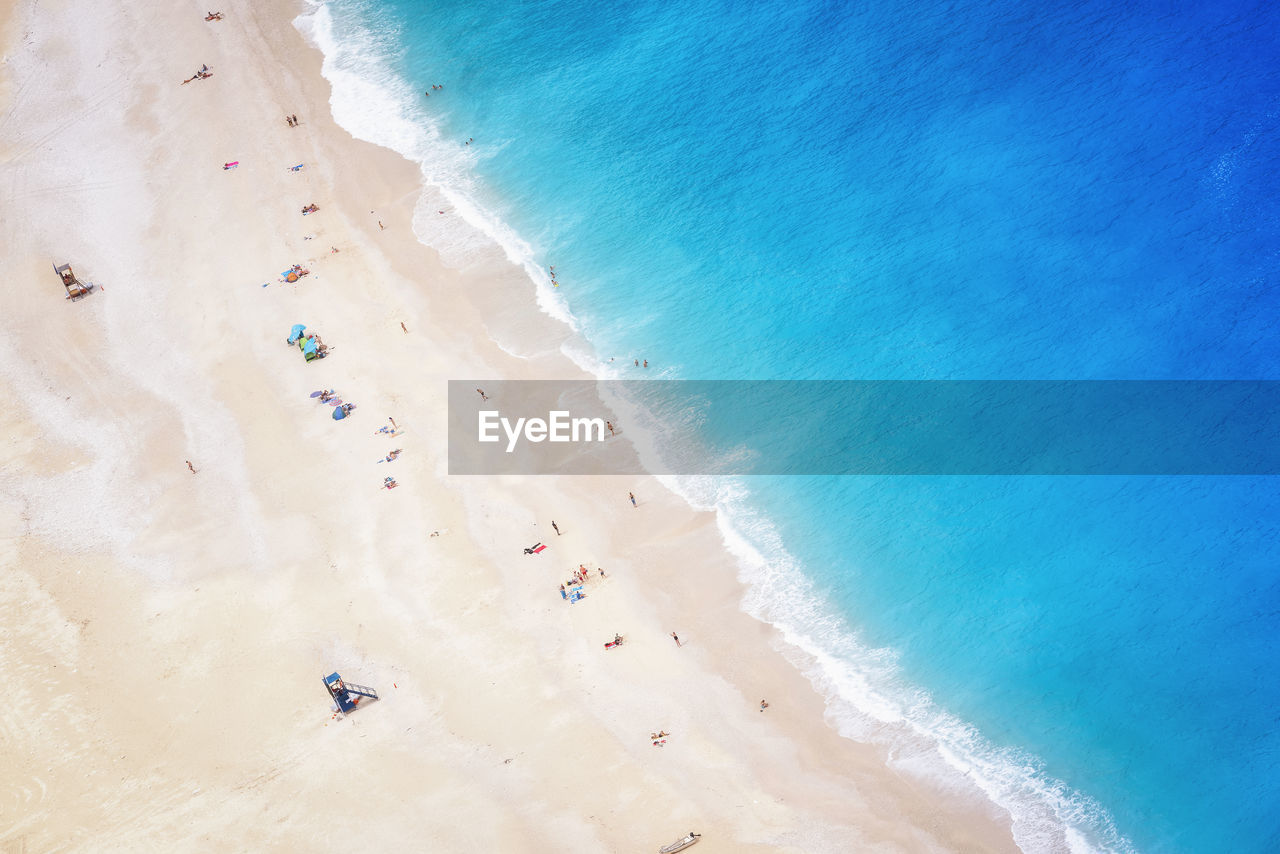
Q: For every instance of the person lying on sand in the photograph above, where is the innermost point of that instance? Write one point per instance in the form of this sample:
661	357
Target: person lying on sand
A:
199	75
213	16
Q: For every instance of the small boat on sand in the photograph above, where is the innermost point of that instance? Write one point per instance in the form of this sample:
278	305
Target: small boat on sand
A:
680	844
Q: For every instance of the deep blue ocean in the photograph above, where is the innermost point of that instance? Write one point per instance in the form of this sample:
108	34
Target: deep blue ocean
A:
922	190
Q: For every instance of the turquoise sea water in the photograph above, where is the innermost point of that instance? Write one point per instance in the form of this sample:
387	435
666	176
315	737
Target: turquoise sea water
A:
918	191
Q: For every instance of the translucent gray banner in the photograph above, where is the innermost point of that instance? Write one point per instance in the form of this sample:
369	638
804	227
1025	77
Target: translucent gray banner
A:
700	427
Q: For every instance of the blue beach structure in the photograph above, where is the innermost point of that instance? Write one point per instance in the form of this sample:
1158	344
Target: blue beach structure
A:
346	695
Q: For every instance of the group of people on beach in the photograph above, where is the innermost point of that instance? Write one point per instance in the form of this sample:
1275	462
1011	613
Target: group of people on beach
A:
390	429
571	590
581	574
291	121
342	410
308	341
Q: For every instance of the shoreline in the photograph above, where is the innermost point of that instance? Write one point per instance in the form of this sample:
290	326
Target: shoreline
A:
295	547
935	741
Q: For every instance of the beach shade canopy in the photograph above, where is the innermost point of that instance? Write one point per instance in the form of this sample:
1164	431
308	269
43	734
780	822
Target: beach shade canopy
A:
309	347
296	332
339	413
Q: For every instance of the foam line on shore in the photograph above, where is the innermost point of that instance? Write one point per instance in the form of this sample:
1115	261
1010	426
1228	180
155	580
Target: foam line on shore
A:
868	699
376	104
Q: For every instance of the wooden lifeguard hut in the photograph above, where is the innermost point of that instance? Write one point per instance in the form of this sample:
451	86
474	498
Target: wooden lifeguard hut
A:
75	287
347	695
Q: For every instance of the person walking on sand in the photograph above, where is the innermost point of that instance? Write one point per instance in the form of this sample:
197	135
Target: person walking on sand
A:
609	424
193	468
632	496
676	638
555	527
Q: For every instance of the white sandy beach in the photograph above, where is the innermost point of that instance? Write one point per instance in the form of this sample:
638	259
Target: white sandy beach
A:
164	633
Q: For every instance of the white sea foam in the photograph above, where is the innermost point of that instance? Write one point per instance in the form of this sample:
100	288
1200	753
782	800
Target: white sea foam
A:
375	103
867	697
